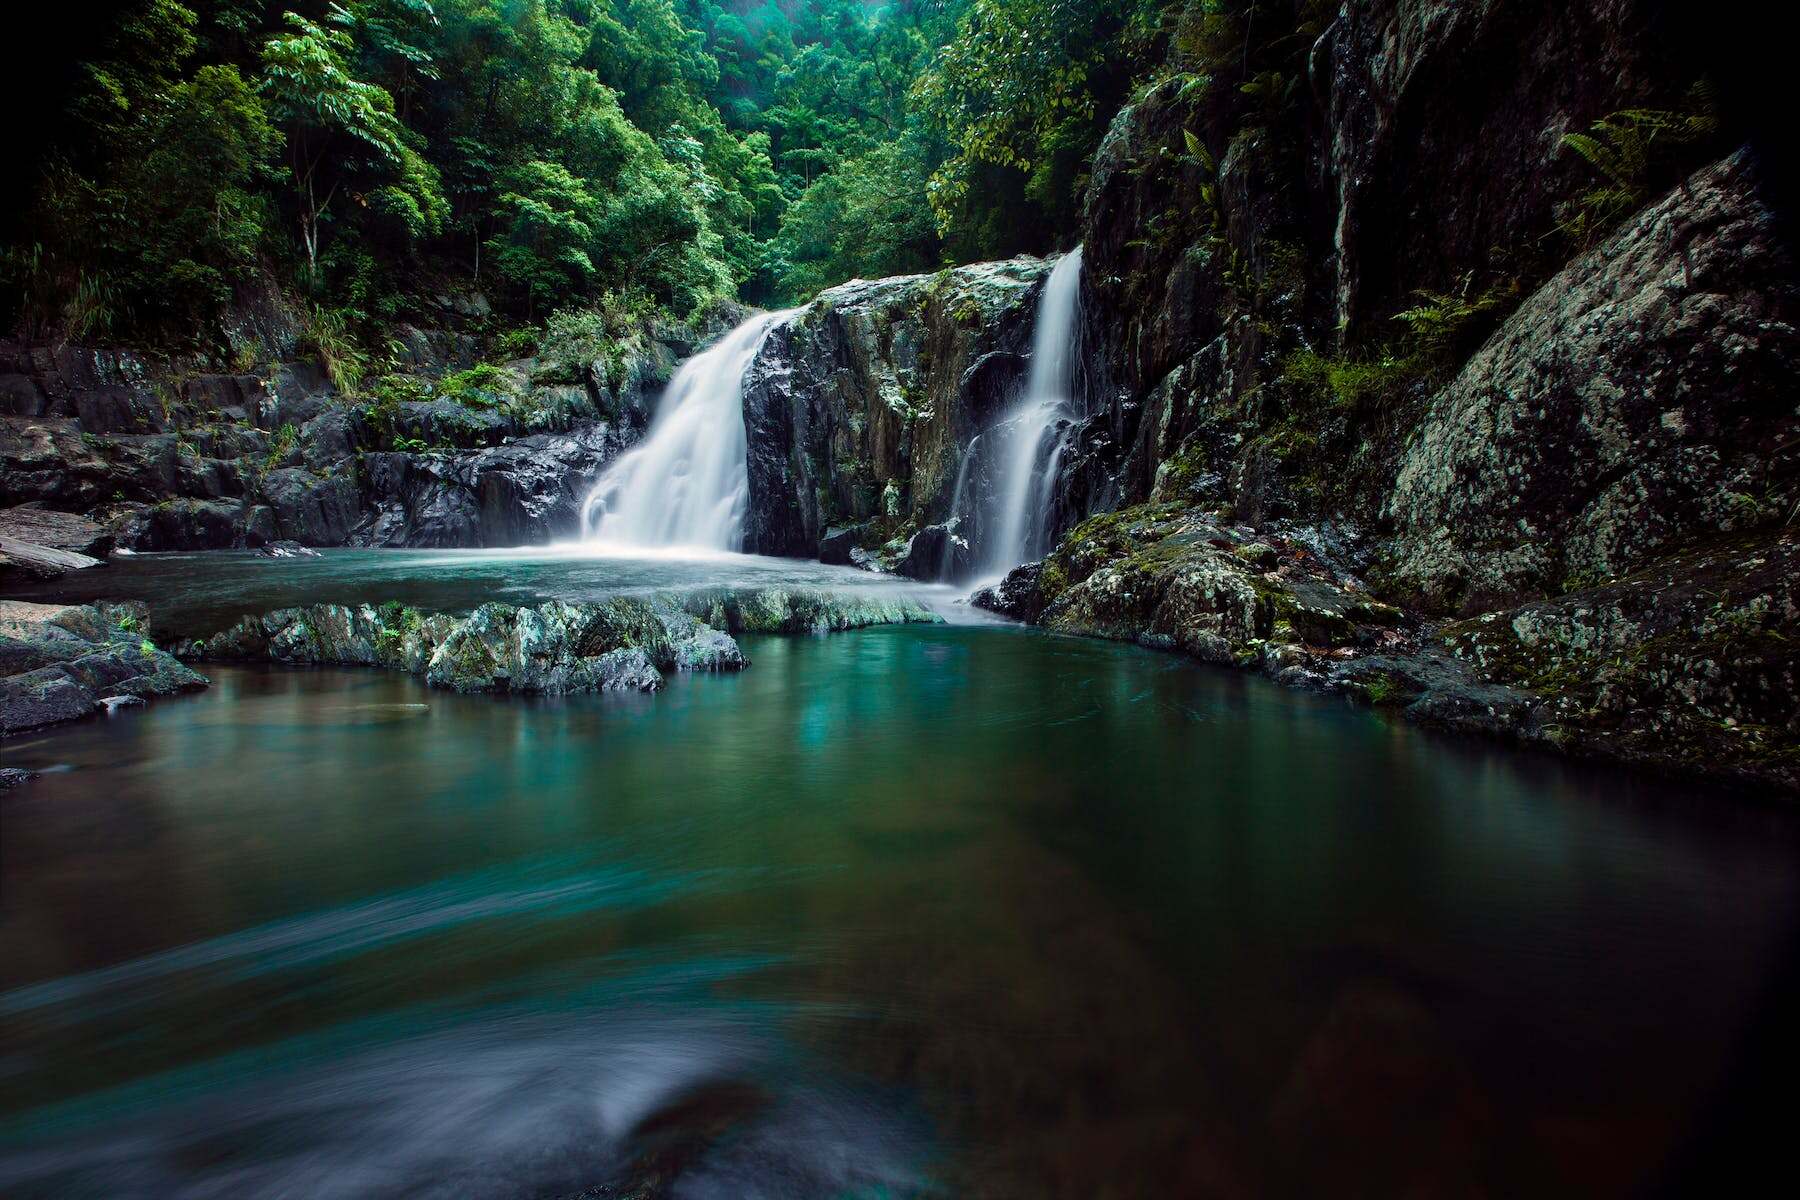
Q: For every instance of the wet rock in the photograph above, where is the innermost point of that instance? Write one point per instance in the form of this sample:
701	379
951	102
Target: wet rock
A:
551	649
792	610
328	439
528	491
309	509
12	777
1689	664
188	525
1019	595
837	543
287	549
1436	168
56	530
937	552
20	561
43	697
58	662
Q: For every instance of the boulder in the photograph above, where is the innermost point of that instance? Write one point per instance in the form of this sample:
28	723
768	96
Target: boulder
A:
1641	398
1019	595
21	561
837	543
57	530
936	552
59	661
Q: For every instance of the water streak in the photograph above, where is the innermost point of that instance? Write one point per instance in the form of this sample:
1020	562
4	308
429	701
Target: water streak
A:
686	483
1033	437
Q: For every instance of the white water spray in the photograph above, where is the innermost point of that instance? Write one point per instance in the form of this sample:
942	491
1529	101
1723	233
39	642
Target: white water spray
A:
685	485
1029	442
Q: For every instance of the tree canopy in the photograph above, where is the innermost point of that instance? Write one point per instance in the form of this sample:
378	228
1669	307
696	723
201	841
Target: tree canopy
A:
366	153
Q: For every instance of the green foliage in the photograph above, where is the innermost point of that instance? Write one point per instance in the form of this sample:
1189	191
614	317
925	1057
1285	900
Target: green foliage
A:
866	219
1025	86
330	334
1351	383
1446	323
1636	152
280	446
554	152
576	339
482	386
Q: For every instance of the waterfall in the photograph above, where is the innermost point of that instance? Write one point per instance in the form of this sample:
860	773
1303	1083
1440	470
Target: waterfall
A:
686	484
1027	445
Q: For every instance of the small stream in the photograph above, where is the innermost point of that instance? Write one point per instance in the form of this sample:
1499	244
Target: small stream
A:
961	910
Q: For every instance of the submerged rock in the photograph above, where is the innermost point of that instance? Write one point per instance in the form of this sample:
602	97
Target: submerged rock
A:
288	549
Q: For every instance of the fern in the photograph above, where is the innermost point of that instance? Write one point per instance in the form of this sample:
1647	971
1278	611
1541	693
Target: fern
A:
1629	149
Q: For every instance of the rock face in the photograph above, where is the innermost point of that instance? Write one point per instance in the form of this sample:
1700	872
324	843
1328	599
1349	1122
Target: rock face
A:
526	492
171	455
858	407
1441	131
623	643
1642	398
62	663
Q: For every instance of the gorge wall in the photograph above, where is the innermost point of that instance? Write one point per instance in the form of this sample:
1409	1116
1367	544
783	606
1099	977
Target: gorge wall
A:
1390	392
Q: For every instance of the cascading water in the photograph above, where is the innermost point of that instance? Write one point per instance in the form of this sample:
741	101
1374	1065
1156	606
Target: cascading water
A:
1028	444
685	485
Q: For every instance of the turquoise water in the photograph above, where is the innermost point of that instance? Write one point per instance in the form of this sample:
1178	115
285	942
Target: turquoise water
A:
946	911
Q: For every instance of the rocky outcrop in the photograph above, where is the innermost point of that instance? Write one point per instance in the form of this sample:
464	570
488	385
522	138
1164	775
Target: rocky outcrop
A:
1642	399
859	405
59	663
178	455
525	492
21	561
68	532
623	643
552	649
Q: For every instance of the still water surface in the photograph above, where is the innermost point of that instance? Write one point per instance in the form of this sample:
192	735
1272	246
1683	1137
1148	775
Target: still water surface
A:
945	911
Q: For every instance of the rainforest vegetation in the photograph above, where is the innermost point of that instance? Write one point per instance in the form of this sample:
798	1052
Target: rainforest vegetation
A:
365	153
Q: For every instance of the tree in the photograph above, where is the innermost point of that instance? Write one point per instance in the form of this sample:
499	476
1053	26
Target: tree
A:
333	121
